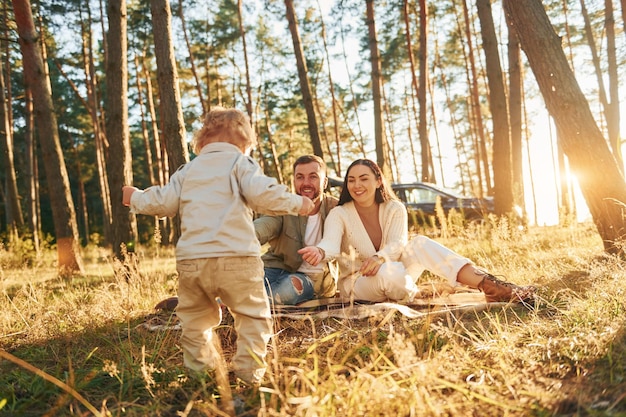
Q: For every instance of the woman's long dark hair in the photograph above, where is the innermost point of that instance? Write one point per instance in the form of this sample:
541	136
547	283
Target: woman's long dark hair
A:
383	193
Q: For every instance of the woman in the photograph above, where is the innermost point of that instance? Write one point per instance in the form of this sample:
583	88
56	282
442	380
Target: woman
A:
367	233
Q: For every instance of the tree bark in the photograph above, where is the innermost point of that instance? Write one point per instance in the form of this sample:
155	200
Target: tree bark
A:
192	62
480	147
119	158
427	158
379	125
15	219
172	123
65	225
337	164
95	112
305	86
612	114
503	192
600	179
515	115
414	91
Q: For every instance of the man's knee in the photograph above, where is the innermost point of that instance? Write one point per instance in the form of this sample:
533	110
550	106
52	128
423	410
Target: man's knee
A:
297	284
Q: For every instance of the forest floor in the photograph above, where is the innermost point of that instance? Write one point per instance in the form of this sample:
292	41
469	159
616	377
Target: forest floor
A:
75	347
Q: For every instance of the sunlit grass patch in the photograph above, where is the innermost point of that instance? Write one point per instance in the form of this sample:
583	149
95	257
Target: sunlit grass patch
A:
563	355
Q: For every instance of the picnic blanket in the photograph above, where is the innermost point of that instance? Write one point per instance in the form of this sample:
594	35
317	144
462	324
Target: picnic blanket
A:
458	300
434	301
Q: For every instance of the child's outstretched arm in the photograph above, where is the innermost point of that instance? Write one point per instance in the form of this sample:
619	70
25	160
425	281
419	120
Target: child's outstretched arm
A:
307	206
127	192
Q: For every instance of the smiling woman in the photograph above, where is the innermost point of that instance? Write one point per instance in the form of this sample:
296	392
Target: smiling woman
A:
368	234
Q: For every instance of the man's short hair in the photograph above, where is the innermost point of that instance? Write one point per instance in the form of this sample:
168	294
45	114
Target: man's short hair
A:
307	159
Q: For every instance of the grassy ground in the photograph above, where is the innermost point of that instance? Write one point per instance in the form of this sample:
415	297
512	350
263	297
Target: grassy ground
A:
76	347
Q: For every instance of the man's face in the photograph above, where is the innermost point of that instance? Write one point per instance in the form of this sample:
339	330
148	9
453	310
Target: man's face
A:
309	180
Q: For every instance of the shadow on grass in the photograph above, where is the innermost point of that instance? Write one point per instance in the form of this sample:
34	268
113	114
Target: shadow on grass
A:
118	367
592	388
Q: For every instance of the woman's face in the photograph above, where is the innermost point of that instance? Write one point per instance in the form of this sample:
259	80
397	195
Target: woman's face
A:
362	185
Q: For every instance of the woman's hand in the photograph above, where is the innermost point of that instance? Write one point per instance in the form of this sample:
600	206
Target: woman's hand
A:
371	266
312	254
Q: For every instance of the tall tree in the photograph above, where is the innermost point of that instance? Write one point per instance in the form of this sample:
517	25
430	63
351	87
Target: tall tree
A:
36	78
96	113
333	100
599	176
427	159
192	62
515	114
305	86
119	154
478	129
503	190
172	122
608	107
15	220
380	139
612	114
413	92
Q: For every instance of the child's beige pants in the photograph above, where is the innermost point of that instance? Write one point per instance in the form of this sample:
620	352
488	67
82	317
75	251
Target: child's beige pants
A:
238	283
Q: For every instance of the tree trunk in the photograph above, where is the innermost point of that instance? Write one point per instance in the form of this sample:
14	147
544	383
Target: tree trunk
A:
172	123
192	62
515	115
160	155
66	230
427	159
599	176
119	156
414	91
612	114
379	124
242	33
503	192
15	219
480	146
95	112
305	86
337	165
358	136
32	200
144	125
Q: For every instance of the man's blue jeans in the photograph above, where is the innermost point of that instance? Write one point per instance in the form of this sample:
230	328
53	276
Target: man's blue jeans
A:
288	288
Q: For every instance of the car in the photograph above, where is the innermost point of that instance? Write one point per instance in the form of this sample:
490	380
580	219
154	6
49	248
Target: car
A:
420	199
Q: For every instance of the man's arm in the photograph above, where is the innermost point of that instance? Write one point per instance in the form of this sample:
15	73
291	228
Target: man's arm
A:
267	228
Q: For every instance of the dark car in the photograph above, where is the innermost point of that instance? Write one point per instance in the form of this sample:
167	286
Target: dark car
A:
420	199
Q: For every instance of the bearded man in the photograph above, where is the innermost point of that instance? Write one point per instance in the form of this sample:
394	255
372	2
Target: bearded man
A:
289	279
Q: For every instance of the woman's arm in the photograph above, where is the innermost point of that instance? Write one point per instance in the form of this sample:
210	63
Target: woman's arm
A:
330	245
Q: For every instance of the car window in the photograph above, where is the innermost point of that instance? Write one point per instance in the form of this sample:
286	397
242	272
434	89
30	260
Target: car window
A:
420	196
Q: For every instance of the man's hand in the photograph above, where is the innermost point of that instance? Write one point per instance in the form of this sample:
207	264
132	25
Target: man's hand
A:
312	254
127	192
307	206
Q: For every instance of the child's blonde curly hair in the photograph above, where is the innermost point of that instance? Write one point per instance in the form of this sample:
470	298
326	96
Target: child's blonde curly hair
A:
224	125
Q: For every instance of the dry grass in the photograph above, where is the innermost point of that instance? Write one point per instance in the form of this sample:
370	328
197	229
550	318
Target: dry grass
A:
83	354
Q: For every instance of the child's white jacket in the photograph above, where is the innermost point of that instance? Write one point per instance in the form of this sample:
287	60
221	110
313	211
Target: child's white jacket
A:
215	195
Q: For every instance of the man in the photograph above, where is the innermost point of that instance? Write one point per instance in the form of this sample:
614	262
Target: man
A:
288	279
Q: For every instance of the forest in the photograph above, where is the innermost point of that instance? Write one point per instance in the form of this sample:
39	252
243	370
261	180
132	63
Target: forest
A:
515	100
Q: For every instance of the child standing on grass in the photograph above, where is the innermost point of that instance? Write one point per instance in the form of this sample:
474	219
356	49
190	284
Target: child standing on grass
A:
218	254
